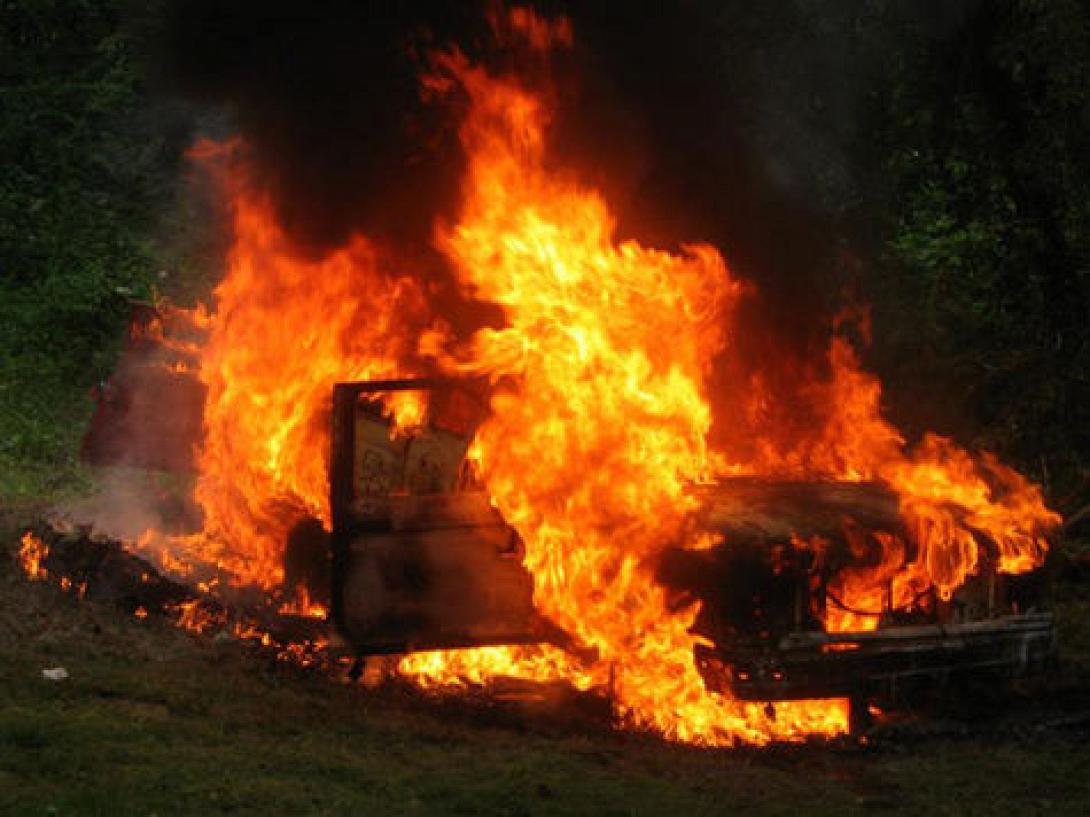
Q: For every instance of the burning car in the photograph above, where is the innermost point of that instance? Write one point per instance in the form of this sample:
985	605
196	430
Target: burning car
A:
549	503
422	561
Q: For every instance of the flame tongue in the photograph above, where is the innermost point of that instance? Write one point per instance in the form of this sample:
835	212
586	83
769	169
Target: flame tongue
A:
286	328
602	420
955	507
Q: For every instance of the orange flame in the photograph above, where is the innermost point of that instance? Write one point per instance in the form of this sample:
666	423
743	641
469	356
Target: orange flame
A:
950	500
286	328
32	555
301	605
599	423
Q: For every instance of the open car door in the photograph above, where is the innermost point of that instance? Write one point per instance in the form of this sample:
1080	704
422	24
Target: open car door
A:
421	560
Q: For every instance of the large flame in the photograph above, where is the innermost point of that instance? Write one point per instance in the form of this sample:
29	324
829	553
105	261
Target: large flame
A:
951	502
599	420
599	425
286	328
602	424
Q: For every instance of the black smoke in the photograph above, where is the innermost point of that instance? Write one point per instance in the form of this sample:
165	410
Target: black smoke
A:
731	122
326	94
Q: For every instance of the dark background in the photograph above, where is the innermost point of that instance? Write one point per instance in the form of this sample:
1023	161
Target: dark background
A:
930	158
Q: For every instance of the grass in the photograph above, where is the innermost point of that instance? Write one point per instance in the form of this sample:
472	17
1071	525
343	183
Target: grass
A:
155	721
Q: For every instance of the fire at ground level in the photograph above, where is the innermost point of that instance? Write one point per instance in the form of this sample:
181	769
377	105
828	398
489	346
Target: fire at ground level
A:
881	674
144	696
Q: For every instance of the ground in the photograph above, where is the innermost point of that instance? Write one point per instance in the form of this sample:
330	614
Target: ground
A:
153	720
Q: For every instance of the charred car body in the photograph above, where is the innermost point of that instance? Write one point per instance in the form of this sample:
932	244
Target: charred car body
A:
417	558
421	560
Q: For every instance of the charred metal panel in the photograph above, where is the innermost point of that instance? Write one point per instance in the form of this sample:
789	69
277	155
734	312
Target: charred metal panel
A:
420	558
420	588
816	664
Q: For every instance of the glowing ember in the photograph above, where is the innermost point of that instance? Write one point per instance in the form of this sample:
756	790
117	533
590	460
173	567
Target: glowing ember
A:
32	553
194	616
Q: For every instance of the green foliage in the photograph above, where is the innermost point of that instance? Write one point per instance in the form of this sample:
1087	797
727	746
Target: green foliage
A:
986	281
87	164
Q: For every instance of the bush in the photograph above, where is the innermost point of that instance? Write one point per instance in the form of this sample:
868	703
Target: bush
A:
88	162
985	285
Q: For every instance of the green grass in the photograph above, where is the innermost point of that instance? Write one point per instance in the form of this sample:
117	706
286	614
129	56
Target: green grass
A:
155	721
